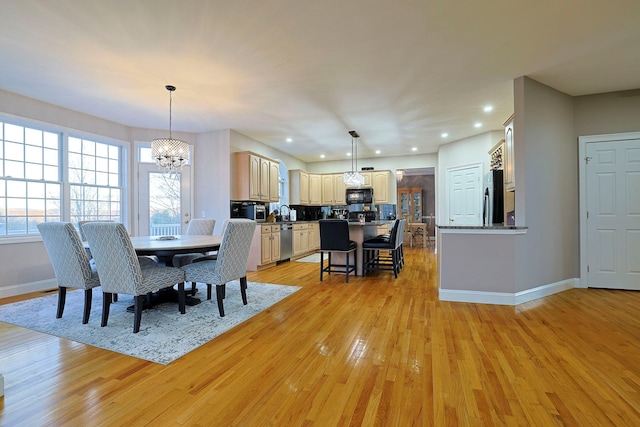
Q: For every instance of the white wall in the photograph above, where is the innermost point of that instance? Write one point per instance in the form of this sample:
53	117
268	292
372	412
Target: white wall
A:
460	153
212	177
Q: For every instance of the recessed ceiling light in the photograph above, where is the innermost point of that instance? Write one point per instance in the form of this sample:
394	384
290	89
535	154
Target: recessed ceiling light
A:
348	154
377	151
289	140
322	156
477	125
444	134
488	108
414	149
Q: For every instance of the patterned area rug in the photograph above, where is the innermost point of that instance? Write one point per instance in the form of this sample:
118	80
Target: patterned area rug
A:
165	334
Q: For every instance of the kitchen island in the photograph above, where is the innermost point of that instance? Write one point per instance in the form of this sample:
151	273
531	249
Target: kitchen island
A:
359	232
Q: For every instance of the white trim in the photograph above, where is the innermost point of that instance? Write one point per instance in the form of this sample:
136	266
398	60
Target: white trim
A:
26	288
505	298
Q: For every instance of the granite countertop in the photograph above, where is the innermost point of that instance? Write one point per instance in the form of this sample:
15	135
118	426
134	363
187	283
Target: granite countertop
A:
378	222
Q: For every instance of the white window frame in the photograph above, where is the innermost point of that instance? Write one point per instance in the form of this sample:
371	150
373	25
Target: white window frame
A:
63	172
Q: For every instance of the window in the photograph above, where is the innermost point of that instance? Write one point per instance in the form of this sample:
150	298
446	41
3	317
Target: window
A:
30	186
95	191
32	189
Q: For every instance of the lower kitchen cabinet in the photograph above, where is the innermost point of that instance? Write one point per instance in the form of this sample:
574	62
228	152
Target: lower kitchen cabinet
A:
300	238
270	244
265	247
314	236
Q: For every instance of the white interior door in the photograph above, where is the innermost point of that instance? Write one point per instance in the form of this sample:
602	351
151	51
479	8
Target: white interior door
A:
613	214
464	188
164	201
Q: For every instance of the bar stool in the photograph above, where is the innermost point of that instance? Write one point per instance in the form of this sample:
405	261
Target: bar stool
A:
334	238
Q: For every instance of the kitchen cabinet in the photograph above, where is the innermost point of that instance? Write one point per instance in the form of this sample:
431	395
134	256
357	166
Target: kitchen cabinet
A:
298	187
333	189
509	177
300	239
256	178
379	181
270	244
496	154
380	184
314	236
315	189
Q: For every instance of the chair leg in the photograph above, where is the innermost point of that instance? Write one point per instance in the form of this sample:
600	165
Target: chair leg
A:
220	298
394	263
321	264
106	303
194	288
115	297
138	305
62	297
346	269
181	298
208	290
243	289
88	295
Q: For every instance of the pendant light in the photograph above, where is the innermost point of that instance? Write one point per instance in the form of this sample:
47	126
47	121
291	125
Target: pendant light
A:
169	153
354	178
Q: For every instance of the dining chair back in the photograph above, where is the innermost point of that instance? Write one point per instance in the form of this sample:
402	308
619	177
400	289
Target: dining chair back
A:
70	263
334	239
120	270
201	227
196	227
230	264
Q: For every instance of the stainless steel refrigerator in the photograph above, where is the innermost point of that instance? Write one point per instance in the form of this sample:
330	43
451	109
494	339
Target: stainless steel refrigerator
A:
493	206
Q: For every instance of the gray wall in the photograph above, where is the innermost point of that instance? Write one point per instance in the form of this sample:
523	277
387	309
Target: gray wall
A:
546	170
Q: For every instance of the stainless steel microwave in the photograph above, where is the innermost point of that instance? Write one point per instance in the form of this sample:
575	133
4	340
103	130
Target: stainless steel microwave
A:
359	195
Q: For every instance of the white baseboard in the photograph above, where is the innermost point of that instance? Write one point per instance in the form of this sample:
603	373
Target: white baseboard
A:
25	288
504	298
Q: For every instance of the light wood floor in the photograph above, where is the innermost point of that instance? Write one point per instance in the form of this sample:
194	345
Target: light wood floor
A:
376	351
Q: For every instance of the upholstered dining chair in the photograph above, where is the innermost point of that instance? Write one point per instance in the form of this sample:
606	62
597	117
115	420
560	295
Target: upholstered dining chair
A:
230	264
70	263
196	227
121	272
144	260
334	238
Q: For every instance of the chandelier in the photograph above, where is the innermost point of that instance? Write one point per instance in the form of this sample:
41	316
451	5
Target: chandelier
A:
353	178
170	154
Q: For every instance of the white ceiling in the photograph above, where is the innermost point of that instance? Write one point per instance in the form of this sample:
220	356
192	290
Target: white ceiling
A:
400	72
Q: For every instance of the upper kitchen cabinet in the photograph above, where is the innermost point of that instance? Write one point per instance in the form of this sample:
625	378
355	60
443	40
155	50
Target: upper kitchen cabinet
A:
380	183
509	177
315	189
298	187
333	189
256	178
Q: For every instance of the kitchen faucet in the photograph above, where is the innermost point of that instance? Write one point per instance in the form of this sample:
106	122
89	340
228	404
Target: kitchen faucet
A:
285	218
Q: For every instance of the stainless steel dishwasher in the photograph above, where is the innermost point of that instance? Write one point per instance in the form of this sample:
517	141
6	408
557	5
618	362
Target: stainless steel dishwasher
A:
286	241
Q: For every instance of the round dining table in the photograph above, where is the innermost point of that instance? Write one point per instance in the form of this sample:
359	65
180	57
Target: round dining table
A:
165	247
